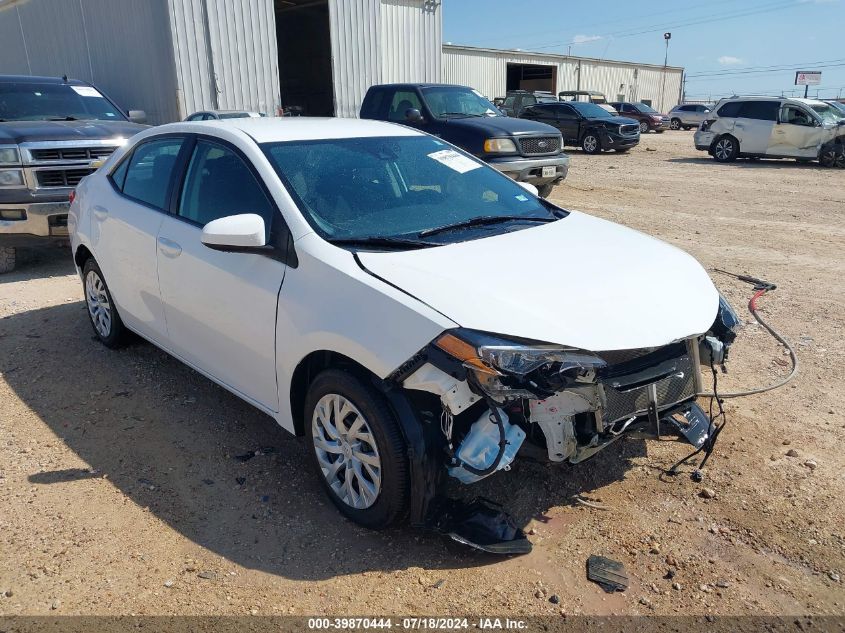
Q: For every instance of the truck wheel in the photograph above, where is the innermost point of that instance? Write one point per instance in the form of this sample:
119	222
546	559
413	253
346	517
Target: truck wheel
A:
832	155
358	450
676	124
725	149
107	324
545	190
643	127
591	143
7	259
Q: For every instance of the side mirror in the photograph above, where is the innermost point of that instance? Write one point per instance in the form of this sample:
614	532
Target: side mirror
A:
529	188
137	116
412	115
235	233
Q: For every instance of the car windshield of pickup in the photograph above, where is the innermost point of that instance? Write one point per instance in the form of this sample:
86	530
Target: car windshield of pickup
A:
446	102
54	102
401	192
645	109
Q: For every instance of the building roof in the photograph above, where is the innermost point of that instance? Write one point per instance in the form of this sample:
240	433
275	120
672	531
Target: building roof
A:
553	56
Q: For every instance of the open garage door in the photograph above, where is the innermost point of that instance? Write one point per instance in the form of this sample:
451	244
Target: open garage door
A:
303	38
532	77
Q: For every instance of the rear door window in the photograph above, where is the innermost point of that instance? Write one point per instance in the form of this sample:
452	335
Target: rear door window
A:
149	172
730	109
759	110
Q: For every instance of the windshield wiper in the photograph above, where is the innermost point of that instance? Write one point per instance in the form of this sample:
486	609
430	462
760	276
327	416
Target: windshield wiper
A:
63	118
482	221
379	241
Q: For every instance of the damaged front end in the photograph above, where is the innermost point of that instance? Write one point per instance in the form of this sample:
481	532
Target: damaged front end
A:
497	395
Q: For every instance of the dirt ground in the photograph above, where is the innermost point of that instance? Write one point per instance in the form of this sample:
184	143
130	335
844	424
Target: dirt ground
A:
120	492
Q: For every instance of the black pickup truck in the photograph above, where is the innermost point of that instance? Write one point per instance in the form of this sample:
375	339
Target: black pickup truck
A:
53	132
527	151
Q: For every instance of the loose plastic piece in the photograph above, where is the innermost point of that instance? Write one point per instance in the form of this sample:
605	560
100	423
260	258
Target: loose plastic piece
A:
482	524
609	574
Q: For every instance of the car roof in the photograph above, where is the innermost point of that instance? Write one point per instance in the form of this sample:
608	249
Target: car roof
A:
419	85
29	79
280	129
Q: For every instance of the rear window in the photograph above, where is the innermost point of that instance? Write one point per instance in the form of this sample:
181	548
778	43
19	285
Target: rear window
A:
760	110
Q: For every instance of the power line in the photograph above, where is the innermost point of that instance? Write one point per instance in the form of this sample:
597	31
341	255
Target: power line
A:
750	69
724	76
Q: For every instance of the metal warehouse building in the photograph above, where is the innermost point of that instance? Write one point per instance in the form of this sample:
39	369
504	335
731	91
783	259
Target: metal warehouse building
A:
493	72
174	57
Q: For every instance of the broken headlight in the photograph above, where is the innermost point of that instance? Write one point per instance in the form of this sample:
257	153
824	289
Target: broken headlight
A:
506	369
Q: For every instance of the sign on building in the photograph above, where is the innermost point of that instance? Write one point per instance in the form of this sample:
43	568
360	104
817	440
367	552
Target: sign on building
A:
808	78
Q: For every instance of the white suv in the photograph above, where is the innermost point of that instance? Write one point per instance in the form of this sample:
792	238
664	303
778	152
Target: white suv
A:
773	127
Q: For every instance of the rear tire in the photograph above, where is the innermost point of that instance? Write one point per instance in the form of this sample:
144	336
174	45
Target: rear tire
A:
106	322
7	259
357	449
545	191
725	149
676	124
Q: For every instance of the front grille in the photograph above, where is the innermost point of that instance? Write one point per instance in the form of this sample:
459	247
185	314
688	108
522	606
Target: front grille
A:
62	177
71	153
629	129
679	386
540	145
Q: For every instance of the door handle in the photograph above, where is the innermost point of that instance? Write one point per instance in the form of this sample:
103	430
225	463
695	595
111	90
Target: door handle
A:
169	248
101	213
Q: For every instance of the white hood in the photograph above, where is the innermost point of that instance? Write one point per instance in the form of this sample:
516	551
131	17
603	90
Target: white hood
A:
580	281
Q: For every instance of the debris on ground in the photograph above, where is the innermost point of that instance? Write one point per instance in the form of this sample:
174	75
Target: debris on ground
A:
609	574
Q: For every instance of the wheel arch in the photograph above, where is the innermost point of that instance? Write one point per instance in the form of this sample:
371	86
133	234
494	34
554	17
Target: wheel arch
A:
81	255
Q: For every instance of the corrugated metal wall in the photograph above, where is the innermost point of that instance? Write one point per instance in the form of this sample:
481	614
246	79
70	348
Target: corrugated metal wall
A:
486	70
226	55
123	48
382	41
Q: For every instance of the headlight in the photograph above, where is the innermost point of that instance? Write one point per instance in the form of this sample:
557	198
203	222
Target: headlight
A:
499	145
509	369
9	155
11	178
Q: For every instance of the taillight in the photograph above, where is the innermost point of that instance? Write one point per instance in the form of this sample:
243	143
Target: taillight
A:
72	196
706	124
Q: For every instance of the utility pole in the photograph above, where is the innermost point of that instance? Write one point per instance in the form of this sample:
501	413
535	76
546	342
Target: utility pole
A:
666	37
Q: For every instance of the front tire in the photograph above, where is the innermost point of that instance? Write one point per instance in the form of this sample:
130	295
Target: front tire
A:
676	124
591	143
7	259
726	149
107	324
643	127
357	449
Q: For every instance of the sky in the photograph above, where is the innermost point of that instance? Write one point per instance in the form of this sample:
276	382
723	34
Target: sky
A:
726	46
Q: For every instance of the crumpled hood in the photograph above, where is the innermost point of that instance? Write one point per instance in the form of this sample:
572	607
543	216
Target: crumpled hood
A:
503	126
24	131
580	281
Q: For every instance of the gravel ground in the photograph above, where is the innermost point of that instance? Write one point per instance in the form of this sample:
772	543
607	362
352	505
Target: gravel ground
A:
120	493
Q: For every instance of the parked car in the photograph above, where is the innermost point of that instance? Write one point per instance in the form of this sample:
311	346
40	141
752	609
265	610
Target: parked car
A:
214	115
587	96
366	285
774	127
526	151
587	125
517	100
53	132
688	115
650	119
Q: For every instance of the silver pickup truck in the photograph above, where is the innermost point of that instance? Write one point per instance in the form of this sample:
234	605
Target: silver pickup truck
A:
53	132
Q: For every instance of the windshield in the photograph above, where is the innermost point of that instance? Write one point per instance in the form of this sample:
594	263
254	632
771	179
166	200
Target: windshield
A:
827	112
397	187
545	99
457	101
590	110
839	106
645	109
62	102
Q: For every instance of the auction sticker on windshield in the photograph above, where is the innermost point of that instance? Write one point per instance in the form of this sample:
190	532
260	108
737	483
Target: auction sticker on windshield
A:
86	91
454	160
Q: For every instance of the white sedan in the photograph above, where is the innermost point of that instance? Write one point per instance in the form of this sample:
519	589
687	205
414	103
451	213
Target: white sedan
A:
411	311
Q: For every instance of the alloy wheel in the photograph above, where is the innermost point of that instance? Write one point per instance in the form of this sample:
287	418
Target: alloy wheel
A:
675	125
346	451
99	306
643	127
724	149
591	143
